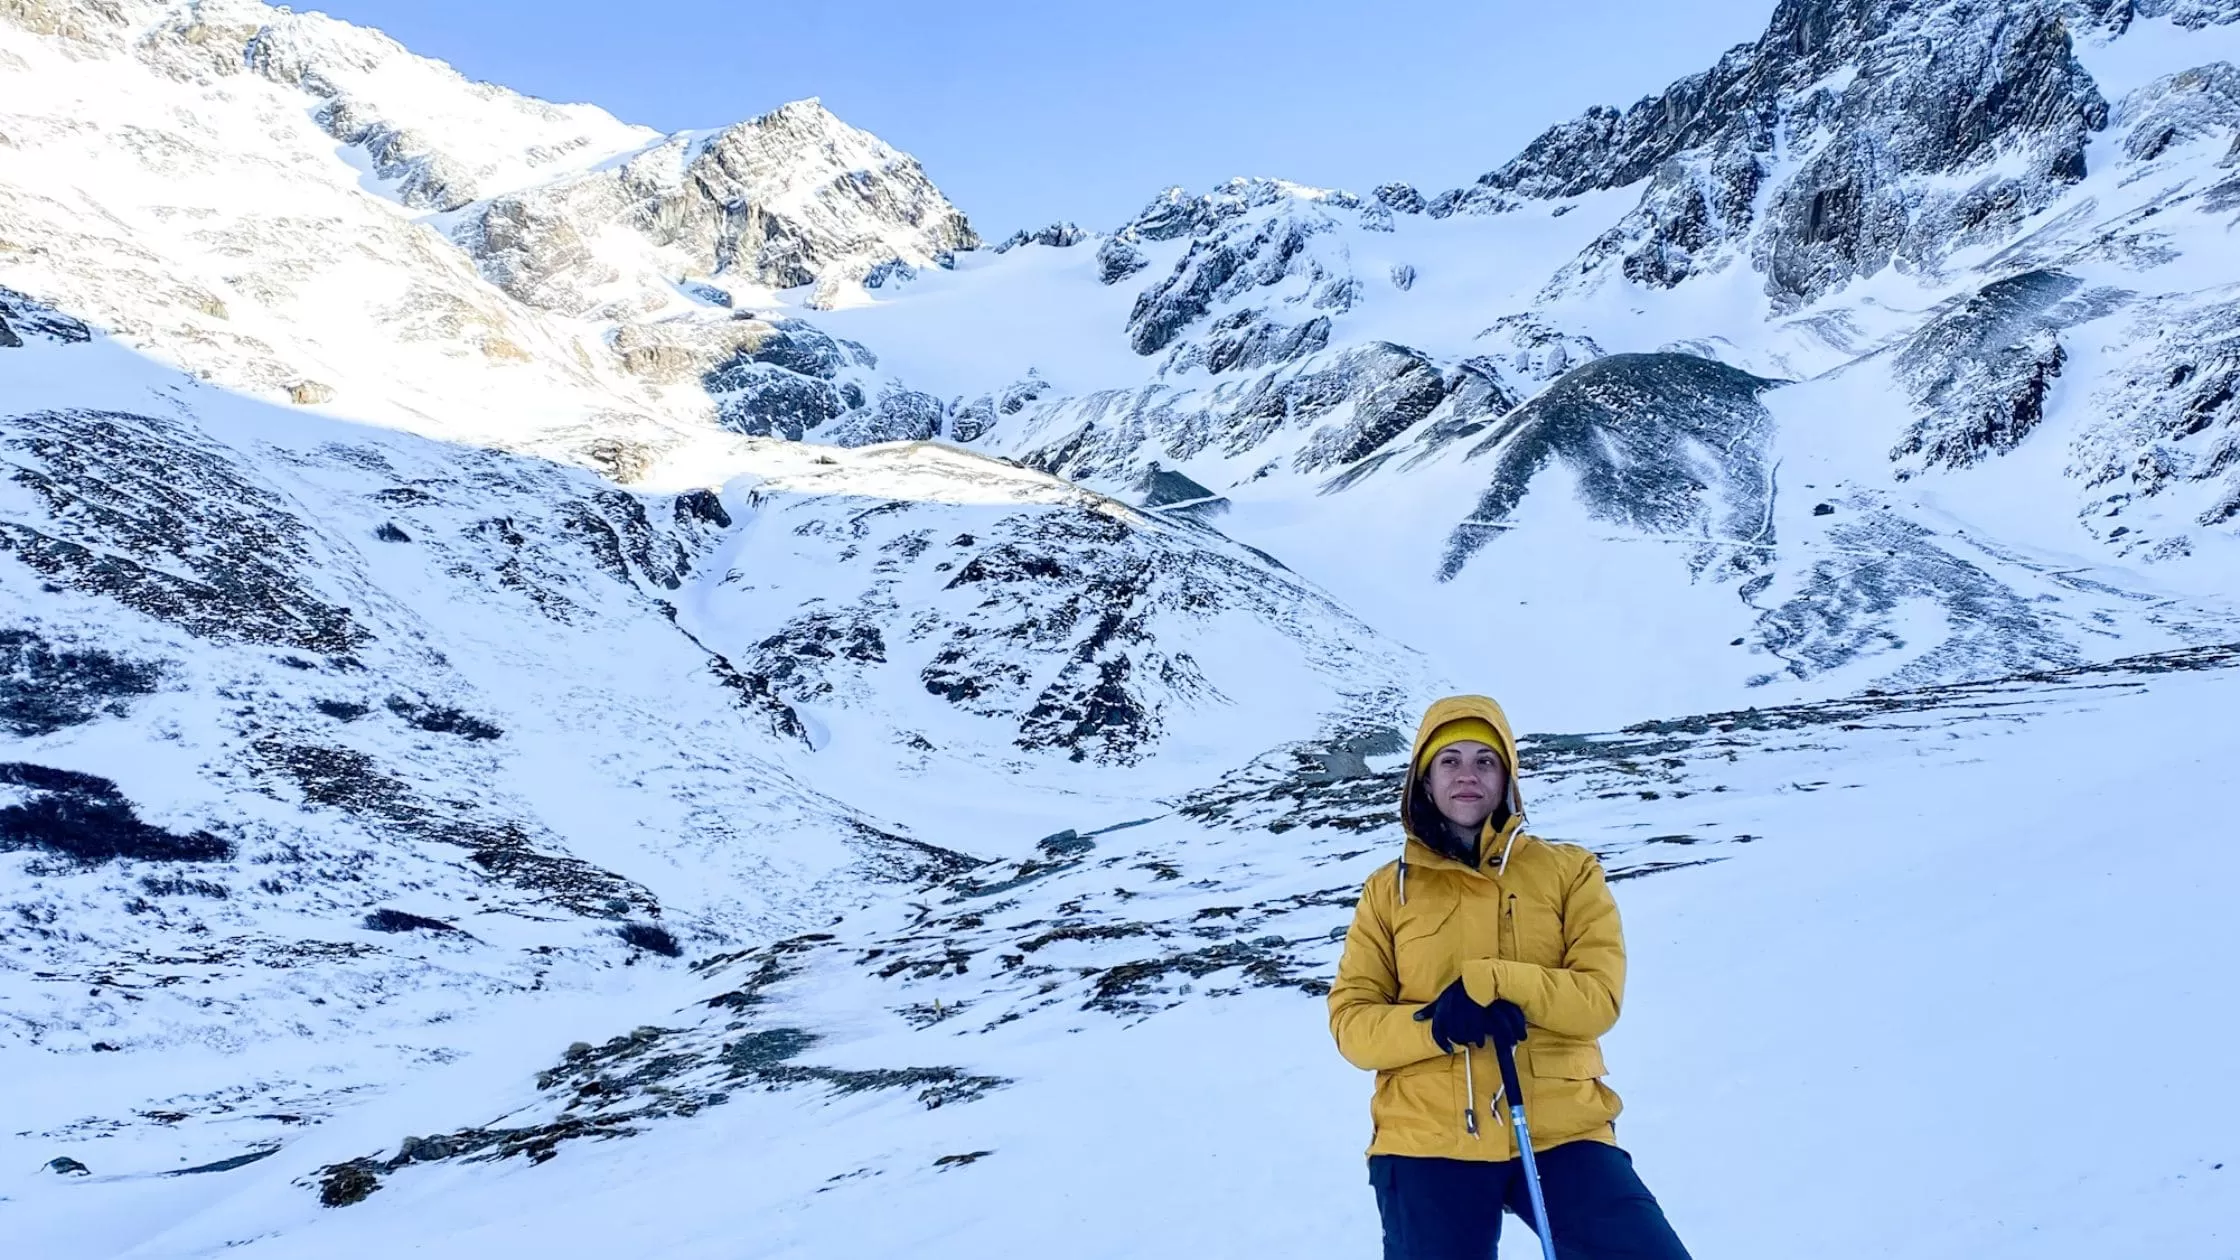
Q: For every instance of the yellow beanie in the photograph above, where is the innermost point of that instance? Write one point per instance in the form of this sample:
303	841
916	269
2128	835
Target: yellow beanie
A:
1456	732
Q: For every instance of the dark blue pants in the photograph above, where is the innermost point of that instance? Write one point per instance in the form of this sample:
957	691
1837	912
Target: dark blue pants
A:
1450	1209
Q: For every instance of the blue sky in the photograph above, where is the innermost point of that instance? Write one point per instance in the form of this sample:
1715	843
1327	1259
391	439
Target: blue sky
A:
1027	113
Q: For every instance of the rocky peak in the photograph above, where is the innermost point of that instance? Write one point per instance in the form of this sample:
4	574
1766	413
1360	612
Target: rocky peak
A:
1176	212
795	197
1857	114
851	195
436	139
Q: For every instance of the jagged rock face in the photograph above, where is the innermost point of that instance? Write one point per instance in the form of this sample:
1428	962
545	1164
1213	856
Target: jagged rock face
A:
1262	252
1117	260
2117	15
1056	236
1327	410
1979	373
20	317
1881	123
1692	206
795	197
2161	455
2176	110
1073	631
1662	443
792	198
785	379
1527	348
972	420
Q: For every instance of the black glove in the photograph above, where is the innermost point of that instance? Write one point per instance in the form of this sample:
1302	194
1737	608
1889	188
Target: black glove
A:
1505	1022
1456	1020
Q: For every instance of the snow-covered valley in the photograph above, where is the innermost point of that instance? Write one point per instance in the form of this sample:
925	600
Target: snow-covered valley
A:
570	690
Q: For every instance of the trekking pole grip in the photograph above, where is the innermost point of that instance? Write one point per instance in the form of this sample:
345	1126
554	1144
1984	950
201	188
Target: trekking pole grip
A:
1506	1053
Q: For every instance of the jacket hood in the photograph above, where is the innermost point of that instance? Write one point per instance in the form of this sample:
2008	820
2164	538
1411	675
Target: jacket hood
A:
1439	714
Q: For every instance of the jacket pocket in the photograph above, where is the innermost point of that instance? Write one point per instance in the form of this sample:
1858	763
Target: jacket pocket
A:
1567	1062
1418	1107
1424	952
1567	1097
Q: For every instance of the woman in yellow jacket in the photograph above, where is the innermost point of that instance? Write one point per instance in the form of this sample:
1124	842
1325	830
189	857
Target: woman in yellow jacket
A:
1482	932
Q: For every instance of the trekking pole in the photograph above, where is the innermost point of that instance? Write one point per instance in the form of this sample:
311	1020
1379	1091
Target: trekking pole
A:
1507	1054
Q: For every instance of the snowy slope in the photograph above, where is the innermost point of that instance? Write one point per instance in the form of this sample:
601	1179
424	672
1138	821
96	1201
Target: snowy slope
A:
340	757
569	688
1874	947
1993	353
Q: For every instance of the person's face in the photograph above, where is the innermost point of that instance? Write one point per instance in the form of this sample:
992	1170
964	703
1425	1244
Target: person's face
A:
1467	783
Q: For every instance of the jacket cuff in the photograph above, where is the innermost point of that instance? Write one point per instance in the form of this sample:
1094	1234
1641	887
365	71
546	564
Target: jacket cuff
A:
1480	979
1430	1045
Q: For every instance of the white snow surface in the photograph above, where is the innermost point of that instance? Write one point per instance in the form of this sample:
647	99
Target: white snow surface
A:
1006	821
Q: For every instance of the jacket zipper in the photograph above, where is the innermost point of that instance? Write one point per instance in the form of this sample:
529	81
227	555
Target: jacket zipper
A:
1512	950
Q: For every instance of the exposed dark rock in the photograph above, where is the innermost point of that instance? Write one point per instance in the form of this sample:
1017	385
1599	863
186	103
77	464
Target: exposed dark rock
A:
1264	963
1172	214
1117	260
704	506
1065	844
887	858
1844	610
1979	371
898	415
893	271
736	212
1400	198
1164	487
651	937
1691	207
1258	254
1249	339
797	347
1928	92
1665	443
44	688
88	820
400	921
345	1184
442	720
181	886
1056	236
2169	420
348	780
139	511
778	404
228	1164
648	1074
22	316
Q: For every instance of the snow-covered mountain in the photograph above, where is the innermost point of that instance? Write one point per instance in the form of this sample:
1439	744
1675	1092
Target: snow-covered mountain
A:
519	631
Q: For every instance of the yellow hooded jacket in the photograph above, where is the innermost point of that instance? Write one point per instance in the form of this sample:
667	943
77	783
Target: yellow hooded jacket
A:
1533	922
